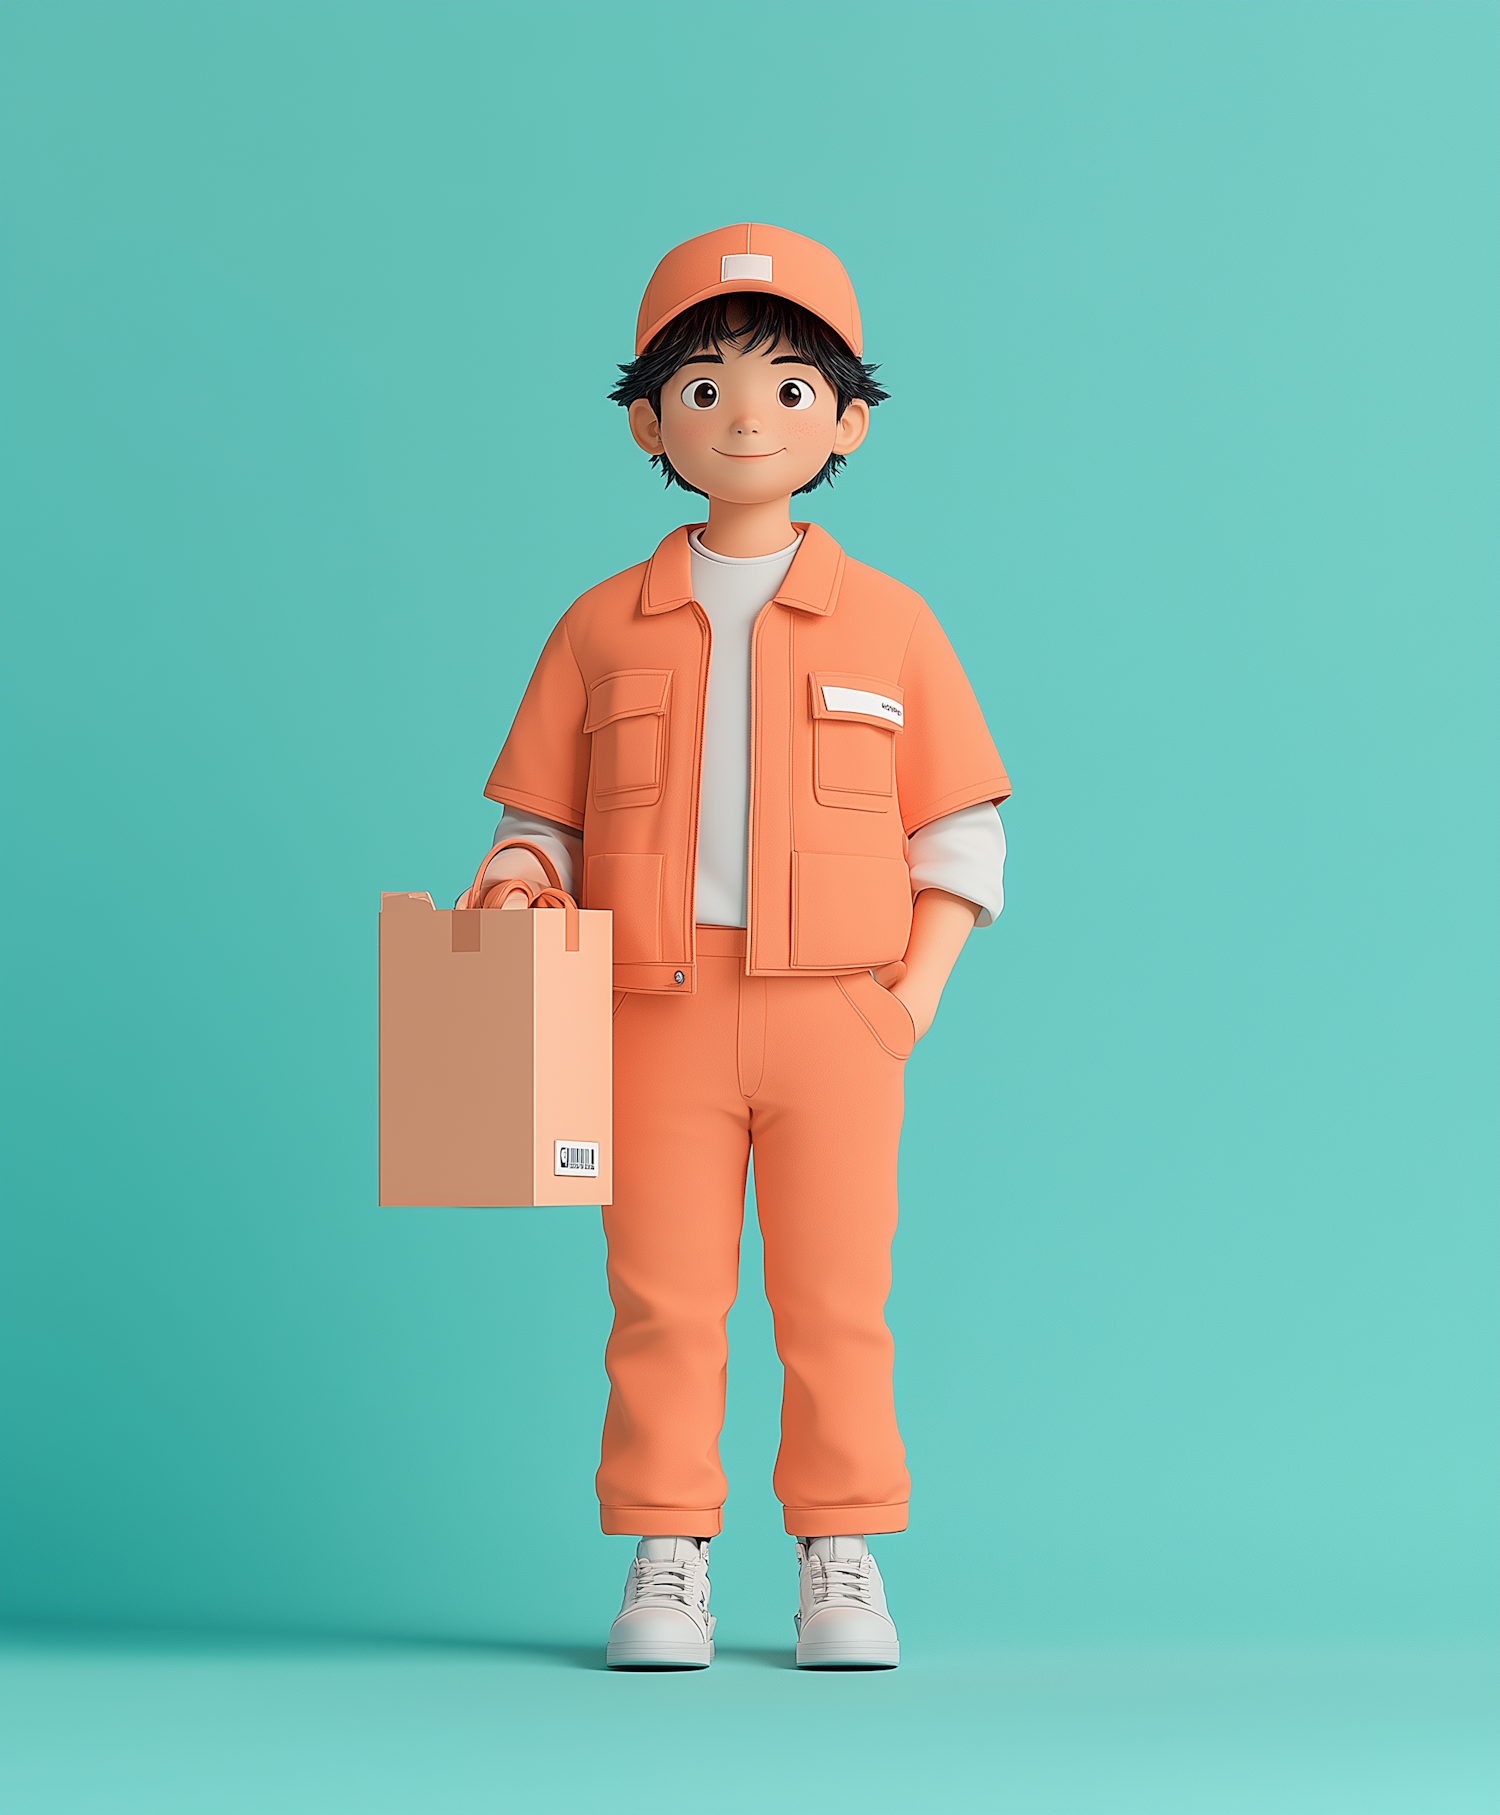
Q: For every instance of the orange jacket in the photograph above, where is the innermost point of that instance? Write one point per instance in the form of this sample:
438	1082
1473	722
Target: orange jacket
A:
863	728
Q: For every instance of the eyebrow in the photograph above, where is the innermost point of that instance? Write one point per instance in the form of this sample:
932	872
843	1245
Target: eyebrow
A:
793	359
704	359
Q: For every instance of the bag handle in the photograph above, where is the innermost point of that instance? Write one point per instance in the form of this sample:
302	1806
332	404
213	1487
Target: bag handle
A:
471	896
561	898
499	894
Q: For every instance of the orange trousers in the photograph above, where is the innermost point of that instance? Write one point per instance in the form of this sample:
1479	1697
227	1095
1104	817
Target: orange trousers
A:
809	1072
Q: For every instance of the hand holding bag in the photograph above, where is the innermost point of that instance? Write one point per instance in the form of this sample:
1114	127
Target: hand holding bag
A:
472	897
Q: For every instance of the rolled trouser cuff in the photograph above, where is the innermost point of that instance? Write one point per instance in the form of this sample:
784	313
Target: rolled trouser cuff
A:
662	1521
842	1521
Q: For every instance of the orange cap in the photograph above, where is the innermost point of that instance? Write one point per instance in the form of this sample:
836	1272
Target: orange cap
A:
750	257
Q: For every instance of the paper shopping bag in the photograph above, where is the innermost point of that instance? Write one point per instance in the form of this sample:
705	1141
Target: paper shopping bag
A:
495	1074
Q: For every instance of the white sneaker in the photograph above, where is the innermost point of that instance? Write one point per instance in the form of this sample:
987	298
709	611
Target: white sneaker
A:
842	1619
664	1622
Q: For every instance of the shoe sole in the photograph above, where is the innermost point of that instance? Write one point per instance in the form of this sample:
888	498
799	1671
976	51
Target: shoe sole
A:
848	1657
640	1655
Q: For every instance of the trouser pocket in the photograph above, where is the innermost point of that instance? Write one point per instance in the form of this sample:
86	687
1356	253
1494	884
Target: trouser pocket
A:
886	1016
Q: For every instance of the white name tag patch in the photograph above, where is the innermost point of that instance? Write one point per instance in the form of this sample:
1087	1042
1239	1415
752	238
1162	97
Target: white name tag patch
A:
575	1159
735	267
855	699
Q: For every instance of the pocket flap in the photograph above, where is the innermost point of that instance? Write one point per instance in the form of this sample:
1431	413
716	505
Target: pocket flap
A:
627	694
860	698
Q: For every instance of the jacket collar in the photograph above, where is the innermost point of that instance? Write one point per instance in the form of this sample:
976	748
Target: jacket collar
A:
811	583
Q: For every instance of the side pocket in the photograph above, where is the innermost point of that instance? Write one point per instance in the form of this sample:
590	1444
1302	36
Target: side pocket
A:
886	1016
629	885
848	910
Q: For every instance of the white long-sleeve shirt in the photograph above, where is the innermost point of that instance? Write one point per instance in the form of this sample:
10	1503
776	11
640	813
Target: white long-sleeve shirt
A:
962	852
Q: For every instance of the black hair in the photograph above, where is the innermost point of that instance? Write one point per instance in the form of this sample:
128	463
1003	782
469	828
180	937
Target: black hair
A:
767	321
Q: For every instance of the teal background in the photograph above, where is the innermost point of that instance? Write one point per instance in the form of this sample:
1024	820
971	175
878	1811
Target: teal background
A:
1188	316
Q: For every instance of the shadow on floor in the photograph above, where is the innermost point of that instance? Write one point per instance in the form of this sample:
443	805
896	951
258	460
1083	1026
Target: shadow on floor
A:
587	1657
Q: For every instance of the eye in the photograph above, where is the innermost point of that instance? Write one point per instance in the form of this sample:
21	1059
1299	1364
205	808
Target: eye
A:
795	394
701	394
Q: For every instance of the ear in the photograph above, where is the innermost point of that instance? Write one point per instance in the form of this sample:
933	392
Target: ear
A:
853	426
645	427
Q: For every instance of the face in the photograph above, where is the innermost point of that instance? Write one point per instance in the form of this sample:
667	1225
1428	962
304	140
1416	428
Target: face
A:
748	428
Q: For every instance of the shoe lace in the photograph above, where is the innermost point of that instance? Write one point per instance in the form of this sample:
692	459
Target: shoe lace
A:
842	1581
665	1584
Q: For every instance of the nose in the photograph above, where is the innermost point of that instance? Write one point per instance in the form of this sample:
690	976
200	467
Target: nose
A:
746	425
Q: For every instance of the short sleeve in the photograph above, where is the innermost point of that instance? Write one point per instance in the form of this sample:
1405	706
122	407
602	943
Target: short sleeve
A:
945	757
544	766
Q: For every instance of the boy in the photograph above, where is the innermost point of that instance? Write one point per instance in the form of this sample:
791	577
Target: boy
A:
765	759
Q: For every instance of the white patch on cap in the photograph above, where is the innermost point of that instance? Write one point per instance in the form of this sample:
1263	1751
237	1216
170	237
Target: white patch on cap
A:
744	264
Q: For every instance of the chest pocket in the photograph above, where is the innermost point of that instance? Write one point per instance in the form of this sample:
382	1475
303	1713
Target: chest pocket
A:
627	719
856	721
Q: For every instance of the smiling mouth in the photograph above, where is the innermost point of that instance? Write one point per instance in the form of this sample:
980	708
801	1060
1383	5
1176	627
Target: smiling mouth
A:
774	451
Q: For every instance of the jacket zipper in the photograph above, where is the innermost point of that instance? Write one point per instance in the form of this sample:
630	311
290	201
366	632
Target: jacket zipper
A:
751	815
708	653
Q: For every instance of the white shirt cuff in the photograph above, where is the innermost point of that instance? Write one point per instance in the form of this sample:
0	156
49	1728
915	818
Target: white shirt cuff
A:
563	845
964	853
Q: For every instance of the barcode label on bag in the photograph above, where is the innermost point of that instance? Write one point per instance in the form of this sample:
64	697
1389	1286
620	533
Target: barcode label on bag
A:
576	1159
